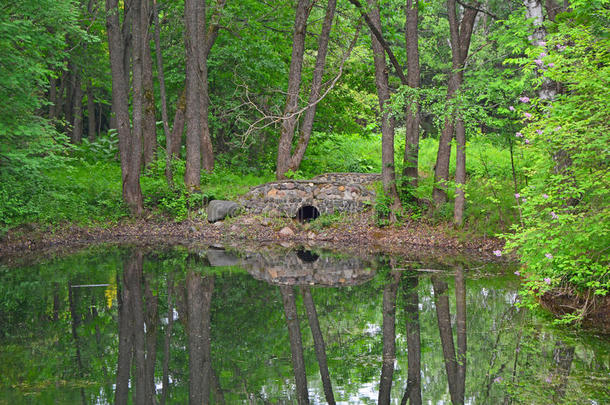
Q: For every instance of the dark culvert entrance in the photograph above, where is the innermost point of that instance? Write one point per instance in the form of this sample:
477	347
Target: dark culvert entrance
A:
307	213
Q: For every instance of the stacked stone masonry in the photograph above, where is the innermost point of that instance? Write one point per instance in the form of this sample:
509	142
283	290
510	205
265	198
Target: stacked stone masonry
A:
329	193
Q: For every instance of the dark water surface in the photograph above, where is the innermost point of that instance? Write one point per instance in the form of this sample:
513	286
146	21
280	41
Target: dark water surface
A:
275	326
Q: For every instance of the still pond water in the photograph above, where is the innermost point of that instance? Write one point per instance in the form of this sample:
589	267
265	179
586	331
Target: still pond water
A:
282	326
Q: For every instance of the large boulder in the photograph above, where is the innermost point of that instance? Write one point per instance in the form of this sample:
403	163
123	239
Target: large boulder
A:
219	209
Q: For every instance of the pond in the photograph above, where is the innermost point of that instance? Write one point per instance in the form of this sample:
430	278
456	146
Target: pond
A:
273	325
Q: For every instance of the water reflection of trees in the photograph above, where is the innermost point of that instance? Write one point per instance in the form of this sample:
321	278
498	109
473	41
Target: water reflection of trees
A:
237	336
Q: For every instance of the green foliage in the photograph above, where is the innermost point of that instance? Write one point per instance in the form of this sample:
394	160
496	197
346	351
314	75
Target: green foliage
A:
563	238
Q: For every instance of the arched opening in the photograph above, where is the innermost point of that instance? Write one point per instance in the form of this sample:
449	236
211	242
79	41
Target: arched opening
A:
307	256
307	213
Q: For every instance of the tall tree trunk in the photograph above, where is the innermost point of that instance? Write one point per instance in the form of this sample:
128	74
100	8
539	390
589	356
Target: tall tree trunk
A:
76	133
149	123
460	35
412	111
388	172
133	279
192	175
296	344
316	87
413	389
207	153
389	338
162	93
460	172
91	127
129	143
290	118
178	127
319	345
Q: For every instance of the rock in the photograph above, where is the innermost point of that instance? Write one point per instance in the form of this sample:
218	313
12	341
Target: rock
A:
266	221
286	231
219	209
311	235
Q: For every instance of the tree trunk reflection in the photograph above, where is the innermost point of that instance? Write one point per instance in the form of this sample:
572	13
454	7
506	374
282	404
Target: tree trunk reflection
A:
413	390
296	345
124	298
199	299
319	345
389	338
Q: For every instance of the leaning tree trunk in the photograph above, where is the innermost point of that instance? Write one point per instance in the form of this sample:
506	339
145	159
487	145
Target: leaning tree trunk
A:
388	173
316	87
412	111
290	118
129	144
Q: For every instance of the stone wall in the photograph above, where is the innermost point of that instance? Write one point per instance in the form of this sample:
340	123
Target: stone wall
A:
286	197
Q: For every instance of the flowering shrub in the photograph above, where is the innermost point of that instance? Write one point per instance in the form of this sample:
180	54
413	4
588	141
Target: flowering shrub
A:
563	239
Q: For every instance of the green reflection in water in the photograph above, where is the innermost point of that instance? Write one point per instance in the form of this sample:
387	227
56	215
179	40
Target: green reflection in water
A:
93	328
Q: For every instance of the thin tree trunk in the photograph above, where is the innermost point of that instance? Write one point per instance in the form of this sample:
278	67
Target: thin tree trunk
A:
316	87
76	134
294	85
178	127
133	279
207	153
460	312
163	95
412	111
129	144
460	172
152	320
319	345
91	127
460	35
296	345
192	175
413	389
389	338
388	173
149	120
76	320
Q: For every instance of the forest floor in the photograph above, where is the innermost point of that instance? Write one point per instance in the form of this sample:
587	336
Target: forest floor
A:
352	233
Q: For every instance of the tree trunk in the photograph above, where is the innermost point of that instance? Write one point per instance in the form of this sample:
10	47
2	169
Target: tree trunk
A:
124	298
460	172
133	279
178	127
316	87
129	144
152	320
290	118
52	97
76	133
389	338
296	344
460	34
460	314
192	175
91	127
412	111
319	345
388	173
164	117
207	153
149	123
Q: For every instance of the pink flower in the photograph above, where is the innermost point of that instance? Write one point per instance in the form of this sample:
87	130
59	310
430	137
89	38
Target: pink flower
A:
498	253
524	200
561	48
539	131
547	281
541	43
553	215
527	141
517	273
548	379
519	135
517	195
549	256
498	379
551	65
538	62
511	108
557	128
524	99
545	196
542	55
527	115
